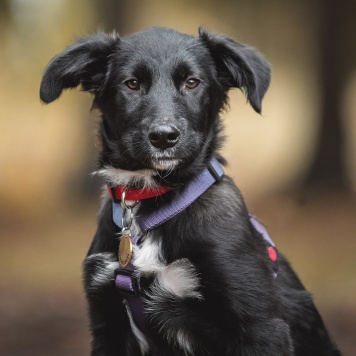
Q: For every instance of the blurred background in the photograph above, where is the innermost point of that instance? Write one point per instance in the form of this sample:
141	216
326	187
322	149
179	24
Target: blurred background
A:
295	164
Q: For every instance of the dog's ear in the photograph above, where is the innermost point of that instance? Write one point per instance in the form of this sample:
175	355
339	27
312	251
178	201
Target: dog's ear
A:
86	62
239	66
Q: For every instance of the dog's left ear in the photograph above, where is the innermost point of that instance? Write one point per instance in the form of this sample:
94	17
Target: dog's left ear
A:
239	66
85	63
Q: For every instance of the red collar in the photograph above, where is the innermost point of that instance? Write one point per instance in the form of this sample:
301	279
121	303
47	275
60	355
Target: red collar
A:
136	194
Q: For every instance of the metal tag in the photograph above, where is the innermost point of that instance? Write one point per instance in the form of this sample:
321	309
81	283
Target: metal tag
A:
125	250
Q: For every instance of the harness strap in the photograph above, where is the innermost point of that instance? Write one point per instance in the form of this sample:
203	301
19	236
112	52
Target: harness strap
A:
190	193
127	283
271	248
167	210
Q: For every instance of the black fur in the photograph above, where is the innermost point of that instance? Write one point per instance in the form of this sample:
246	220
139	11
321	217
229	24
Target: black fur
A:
161	93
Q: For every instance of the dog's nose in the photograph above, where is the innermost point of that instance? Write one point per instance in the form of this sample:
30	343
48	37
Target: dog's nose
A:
163	136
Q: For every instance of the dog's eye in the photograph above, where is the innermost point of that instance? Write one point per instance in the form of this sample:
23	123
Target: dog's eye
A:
192	83
132	84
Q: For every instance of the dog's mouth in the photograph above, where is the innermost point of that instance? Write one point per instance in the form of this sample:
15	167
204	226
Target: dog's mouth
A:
165	163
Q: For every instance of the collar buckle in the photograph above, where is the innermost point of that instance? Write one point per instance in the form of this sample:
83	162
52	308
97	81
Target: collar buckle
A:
214	172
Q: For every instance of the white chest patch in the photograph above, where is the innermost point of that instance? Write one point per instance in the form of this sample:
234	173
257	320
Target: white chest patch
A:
148	258
179	278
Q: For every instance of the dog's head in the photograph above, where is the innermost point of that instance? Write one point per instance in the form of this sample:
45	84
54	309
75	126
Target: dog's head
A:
160	93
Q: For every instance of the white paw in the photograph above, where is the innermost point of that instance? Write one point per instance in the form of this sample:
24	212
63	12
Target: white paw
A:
102	267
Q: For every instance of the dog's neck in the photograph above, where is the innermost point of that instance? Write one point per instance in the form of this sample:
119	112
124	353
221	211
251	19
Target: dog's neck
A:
150	179
137	185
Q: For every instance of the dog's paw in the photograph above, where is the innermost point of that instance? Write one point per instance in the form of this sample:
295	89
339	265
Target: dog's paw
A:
180	279
99	269
166	304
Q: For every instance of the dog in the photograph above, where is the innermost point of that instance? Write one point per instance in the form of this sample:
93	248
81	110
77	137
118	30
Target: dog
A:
206	279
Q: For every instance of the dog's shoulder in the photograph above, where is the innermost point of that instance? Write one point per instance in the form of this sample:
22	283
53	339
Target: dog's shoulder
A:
222	201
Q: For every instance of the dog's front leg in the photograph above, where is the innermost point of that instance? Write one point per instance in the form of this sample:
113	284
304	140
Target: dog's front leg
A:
190	321
111	332
168	300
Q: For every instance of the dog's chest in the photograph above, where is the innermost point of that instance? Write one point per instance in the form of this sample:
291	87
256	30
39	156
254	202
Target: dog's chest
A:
148	257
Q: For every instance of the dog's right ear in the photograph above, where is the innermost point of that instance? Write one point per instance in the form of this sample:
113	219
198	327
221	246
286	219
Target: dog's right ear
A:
86	62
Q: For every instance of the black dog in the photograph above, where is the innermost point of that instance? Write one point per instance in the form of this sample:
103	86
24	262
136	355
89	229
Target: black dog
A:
204	278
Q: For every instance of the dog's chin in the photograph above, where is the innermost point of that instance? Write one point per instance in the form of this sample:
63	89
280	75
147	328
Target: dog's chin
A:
165	164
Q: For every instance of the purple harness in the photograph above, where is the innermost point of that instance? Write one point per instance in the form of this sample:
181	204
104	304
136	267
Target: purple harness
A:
127	281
